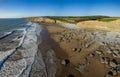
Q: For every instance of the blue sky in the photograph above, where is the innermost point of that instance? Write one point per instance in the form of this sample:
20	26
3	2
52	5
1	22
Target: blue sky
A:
26	8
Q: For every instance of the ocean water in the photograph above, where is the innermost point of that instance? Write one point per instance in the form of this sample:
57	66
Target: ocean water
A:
11	31
19	54
19	45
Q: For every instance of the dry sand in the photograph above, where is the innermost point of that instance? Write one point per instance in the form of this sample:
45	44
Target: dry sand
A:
89	51
64	46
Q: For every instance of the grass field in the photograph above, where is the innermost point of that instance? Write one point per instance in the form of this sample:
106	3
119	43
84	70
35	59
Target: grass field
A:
73	19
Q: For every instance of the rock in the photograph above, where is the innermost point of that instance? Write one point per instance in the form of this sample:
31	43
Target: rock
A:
110	74
92	55
99	52
115	55
70	75
65	62
81	67
114	72
113	63
61	39
112	48
58	33
116	52
118	69
102	60
109	51
105	60
76	49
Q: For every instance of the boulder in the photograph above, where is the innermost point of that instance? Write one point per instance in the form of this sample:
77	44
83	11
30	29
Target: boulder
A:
99	52
102	60
114	72
76	49
105	60
65	62
109	51
116	52
109	74
92	55
81	67
115	55
70	75
118	69
113	63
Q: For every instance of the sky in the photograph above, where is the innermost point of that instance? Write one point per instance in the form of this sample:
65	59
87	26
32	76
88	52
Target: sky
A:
29	8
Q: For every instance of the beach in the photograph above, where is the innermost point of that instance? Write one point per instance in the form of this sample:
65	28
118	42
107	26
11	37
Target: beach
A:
80	53
58	49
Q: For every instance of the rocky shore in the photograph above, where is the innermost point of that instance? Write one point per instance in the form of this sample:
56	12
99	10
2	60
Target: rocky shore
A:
86	51
82	53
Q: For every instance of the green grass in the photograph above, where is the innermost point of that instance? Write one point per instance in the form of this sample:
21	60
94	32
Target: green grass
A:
76	19
108	19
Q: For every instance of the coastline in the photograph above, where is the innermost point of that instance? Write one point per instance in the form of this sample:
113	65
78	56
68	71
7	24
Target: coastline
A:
61	49
61	54
18	62
80	49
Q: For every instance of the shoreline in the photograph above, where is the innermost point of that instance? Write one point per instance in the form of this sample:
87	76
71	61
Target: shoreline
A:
80	48
61	54
63	50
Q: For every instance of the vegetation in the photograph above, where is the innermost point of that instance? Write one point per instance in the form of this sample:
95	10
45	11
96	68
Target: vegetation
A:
76	19
108	19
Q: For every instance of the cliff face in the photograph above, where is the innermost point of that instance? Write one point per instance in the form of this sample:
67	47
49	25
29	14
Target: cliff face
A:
44	20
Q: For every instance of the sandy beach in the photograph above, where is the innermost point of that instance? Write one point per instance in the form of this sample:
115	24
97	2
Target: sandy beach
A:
79	51
79	48
67	45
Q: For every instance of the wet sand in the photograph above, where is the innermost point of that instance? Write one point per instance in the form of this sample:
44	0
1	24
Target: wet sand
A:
61	50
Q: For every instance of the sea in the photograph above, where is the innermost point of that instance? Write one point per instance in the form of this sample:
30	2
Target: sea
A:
18	46
11	31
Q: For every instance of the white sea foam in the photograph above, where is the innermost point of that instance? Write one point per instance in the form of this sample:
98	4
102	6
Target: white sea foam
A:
28	47
22	29
31	46
6	34
13	68
23	66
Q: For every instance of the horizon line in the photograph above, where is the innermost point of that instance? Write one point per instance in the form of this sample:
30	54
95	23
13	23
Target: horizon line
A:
56	16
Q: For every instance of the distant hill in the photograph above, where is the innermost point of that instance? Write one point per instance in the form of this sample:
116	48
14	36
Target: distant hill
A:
76	19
